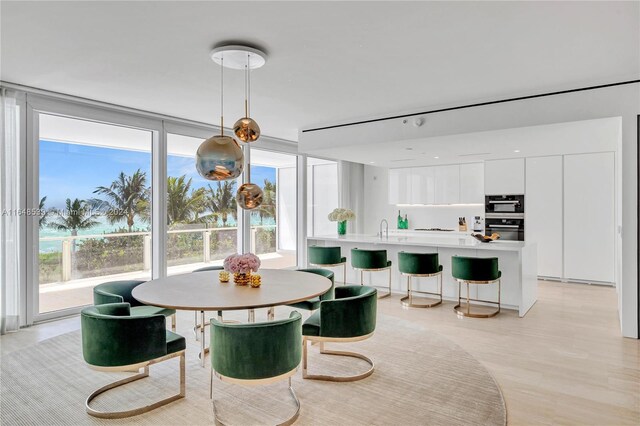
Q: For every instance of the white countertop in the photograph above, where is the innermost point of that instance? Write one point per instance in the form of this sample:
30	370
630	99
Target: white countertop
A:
452	241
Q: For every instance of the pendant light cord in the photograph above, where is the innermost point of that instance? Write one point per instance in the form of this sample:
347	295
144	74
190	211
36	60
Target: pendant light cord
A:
221	95
246	96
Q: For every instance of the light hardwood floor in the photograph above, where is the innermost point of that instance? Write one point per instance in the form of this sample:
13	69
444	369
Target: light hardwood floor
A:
563	363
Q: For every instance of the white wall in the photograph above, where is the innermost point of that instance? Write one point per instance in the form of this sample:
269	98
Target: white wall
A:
376	207
616	101
352	195
286	216
322	181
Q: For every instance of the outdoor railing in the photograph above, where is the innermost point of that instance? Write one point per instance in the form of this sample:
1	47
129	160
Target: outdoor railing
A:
84	256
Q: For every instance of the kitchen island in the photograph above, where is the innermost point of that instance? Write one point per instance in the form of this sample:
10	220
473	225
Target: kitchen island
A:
517	260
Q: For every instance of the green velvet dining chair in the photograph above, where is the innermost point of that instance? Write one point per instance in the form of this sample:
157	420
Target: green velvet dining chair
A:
314	303
256	353
350	317
327	257
115	340
120	292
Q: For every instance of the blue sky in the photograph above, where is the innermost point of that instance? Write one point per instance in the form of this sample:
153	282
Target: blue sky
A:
74	171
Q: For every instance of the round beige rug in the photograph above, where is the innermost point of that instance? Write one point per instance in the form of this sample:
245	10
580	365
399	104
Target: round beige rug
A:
420	378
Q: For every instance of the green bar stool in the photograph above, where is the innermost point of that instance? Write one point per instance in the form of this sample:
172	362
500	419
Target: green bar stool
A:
420	265
371	260
327	257
475	270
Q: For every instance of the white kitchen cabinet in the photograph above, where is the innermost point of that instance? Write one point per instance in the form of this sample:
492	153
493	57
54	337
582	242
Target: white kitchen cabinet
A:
504	177
400	183
422	185
447	184
472	183
589	218
543	212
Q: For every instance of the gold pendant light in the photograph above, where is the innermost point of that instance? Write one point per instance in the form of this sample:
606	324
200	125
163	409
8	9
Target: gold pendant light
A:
246	129
220	157
249	195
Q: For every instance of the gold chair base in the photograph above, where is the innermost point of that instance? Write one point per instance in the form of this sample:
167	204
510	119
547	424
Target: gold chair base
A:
407	301
306	375
465	311
146	408
287	422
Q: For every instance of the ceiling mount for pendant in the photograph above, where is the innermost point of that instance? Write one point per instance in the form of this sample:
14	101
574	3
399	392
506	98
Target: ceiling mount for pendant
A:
235	57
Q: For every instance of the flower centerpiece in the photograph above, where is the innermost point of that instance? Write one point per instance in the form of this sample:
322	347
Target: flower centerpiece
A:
342	216
242	265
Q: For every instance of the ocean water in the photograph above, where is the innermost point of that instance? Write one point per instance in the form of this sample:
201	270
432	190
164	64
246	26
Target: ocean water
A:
105	228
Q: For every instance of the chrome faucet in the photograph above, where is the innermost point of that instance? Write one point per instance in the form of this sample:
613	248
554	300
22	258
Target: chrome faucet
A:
387	228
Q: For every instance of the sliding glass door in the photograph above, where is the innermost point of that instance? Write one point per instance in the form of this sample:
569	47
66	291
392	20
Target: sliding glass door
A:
94	202
116	196
273	224
202	215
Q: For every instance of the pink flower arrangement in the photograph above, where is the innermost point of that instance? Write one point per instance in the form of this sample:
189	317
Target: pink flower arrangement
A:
242	263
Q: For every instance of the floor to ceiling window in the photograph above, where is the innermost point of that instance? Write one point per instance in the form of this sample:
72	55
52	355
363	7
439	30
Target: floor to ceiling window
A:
95	206
202	215
273	224
98	178
322	195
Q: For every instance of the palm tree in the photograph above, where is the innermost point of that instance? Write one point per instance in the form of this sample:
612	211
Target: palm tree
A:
268	207
182	206
77	215
222	201
126	198
44	216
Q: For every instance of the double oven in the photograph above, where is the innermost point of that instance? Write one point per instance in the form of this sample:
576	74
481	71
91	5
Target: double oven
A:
504	214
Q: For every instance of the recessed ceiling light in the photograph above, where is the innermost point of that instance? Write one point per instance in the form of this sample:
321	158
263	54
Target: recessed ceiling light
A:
372	162
516	150
436	157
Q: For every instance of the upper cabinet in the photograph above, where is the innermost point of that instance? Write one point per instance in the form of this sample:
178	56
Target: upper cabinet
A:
400	186
447	184
504	176
423	185
472	183
451	184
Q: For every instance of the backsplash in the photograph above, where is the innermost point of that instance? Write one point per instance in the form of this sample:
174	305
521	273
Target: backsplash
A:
376	208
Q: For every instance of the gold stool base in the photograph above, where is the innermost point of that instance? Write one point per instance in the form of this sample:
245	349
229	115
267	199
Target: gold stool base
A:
407	301
475	311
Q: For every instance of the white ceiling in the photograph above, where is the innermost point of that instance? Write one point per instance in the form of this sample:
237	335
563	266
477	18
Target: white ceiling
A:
328	62
598	135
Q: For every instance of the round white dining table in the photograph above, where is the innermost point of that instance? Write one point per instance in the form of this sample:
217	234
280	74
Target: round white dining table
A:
203	291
